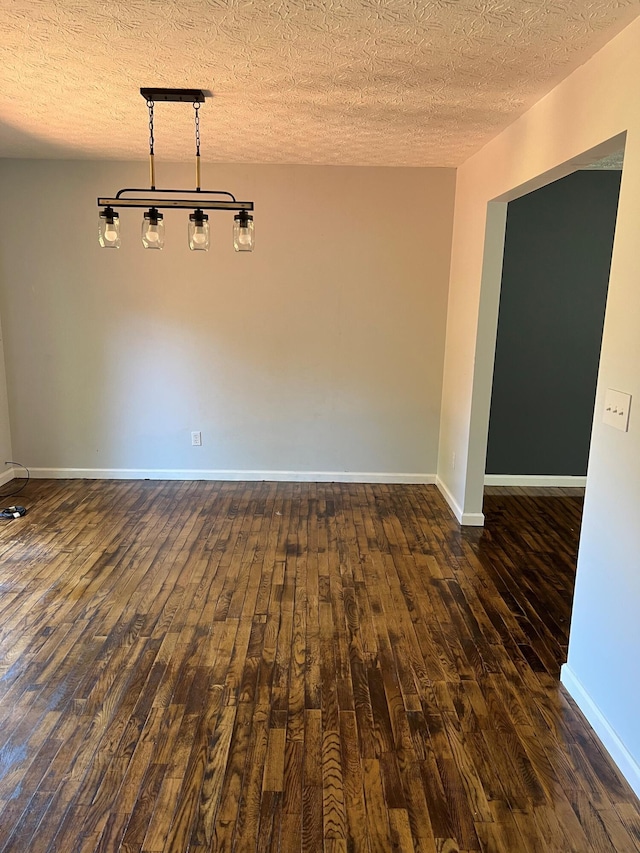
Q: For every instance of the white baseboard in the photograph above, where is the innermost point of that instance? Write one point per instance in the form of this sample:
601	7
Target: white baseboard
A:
626	763
201	474
466	519
472	519
534	480
7	475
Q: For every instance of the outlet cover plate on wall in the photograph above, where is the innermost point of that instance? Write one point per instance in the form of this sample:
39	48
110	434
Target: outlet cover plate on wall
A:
616	409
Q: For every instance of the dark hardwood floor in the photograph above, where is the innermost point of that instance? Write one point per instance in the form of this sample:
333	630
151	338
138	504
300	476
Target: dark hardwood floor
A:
293	667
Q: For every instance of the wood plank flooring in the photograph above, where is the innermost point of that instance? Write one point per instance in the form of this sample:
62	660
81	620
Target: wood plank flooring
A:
324	668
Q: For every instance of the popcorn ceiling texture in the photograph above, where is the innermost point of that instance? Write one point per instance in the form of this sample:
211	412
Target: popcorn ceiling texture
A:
352	82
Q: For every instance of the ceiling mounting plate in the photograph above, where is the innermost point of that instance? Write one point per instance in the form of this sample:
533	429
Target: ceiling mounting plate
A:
188	96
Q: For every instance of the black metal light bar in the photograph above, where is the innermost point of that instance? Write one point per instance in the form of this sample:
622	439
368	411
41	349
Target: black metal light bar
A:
196	191
177	204
185	96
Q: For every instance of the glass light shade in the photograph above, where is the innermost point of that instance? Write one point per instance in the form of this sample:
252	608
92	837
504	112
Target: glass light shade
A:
198	231
153	229
243	232
109	229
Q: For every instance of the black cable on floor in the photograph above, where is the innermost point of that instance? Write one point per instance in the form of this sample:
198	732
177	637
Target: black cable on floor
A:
12	512
17	491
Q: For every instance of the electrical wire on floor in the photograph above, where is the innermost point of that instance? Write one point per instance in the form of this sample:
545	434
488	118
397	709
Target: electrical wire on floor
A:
12	512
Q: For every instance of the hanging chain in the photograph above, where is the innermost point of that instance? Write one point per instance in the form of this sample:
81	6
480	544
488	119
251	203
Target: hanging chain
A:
196	107
151	140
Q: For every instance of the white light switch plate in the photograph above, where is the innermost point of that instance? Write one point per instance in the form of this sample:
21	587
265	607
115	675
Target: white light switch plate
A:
616	409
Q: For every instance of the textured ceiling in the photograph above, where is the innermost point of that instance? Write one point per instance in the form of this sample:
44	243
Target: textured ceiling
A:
365	82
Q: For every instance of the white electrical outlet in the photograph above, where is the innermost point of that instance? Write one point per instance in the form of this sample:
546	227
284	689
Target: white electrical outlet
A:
616	409
196	438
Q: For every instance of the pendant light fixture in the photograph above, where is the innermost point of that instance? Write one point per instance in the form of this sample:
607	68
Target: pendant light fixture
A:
198	231
109	229
243	232
155	200
153	229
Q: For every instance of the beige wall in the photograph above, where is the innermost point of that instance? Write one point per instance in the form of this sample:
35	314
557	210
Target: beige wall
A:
320	352
596	103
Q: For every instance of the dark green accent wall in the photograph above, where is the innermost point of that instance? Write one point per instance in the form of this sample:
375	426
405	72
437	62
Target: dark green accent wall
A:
554	287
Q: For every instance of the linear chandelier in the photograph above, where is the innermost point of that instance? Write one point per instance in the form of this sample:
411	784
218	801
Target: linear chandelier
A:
153	221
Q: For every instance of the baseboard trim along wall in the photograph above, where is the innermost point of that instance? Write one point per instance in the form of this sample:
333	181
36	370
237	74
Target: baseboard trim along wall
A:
534	480
7	475
198	474
627	764
466	519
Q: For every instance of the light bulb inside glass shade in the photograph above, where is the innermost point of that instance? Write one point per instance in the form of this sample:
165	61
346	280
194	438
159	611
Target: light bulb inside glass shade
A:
153	229
199	231
108	229
243	234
